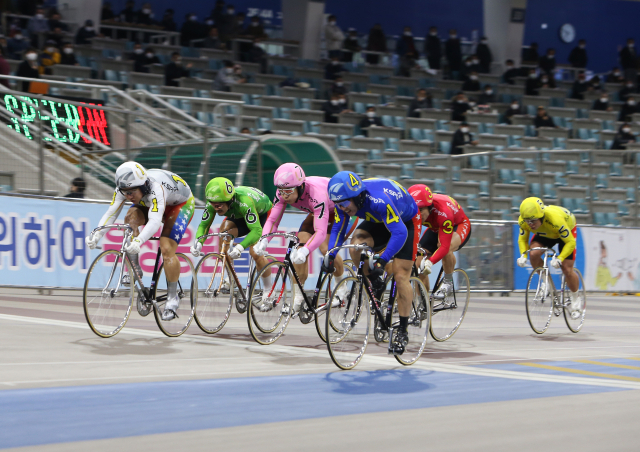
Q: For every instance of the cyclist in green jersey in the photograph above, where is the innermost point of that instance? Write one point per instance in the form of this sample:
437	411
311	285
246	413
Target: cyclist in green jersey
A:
246	210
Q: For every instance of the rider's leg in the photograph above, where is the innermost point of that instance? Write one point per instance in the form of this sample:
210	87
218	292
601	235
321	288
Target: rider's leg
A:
168	249
135	218
573	282
360	236
536	256
402	273
303	269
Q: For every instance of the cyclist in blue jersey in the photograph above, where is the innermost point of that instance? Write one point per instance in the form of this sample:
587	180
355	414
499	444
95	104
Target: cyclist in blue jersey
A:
392	221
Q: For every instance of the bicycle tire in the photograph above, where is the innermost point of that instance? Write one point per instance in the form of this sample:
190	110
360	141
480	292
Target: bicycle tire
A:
241	304
187	285
108	314
575	325
214	306
419	323
539	306
324	295
447	315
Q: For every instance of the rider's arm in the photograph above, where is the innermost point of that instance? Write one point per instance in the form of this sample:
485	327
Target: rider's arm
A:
112	213
253	223
391	218
523	240
445	234
156	211
207	219
275	216
320	223
569	242
338	230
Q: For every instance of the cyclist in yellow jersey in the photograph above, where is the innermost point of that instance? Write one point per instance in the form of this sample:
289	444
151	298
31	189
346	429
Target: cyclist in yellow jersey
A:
551	225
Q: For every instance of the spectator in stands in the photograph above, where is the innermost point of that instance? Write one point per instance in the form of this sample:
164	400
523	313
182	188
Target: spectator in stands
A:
453	52
484	56
511	73
237	29
460	107
213	40
408	62
623	137
226	78
56	35
514	109
460	138
255	29
36	25
227	23
217	13
128	14
334	68
472	83
548	62
578	56
146	59
167	22
334	37
191	29
422	100
433	48
67	57
5	69
533	84
627	89
145	16
246	130
530	55
488	96
467	68
29	68
542	119
85	33
602	104
175	70
370	120
595	84
350	46
406	44
17	45
56	22
580	86
107	12
136	53
629	60
334	107
256	54
546	81
338	87
377	42
49	57
627	109
615	76
77	188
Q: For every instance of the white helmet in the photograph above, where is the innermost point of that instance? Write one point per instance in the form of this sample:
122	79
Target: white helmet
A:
131	175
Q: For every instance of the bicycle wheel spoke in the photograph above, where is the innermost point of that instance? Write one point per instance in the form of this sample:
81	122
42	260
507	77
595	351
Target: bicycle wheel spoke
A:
418	328
187	302
539	300
448	313
575	321
215	296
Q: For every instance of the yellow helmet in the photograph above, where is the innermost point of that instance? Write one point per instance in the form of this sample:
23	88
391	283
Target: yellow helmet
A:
532	208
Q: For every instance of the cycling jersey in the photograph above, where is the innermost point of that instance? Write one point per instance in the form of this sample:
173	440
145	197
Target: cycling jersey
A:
557	223
386	202
445	215
315	200
248	203
167	190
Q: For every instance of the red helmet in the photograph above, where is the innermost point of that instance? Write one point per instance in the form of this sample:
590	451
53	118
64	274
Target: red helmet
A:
421	195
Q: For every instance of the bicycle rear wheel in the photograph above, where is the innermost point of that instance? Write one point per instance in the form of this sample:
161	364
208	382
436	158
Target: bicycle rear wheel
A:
347	325
447	314
419	322
106	301
214	300
538	300
270	308
575	325
188	294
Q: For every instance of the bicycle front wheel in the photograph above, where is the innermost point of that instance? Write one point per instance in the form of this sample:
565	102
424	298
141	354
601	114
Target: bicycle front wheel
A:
448	313
539	300
419	321
270	303
325	294
575	324
187	293
347	324
107	302
215	293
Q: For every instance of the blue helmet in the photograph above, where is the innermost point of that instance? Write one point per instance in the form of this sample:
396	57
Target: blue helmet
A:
345	185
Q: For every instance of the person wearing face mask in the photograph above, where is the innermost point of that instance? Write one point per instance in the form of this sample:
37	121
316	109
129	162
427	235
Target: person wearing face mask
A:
334	107
107	12
484	56
467	68
49	57
213	40
408	62
85	33
460	138
422	100
192	29
57	36
217	13
167	23
627	89
16	46
472	83
542	119
350	46
406	44
547	63
488	96
370	120
514	109
224	79
578	56
533	84
433	48
629	60
628	108
602	104
615	76
37	24
546	81
145	15
334	68
623	137
175	70
56	22
29	68
67	56
460	107
237	29
453	53
145	59
338	87
255	29
580	86
334	37
377	42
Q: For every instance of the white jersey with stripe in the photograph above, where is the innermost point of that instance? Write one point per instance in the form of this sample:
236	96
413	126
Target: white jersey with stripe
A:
167	189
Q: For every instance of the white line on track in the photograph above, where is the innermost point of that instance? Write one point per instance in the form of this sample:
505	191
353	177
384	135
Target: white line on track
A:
369	359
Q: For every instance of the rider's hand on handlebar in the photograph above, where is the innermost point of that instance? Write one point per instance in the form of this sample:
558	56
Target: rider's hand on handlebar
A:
378	269
196	249
134	246
260	248
522	261
299	256
92	241
555	262
236	251
330	267
425	266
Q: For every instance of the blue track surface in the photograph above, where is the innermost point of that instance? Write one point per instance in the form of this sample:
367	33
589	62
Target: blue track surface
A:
53	415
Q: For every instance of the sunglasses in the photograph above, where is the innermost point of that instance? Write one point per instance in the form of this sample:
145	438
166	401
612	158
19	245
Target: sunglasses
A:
128	192
531	221
286	191
344	204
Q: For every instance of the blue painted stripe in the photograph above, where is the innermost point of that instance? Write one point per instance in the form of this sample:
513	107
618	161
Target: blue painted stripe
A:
574	365
52	415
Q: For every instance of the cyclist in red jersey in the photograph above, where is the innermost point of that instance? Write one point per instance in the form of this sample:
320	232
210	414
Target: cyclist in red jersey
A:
448	230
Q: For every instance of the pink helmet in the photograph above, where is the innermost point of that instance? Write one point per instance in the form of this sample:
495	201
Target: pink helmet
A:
288	175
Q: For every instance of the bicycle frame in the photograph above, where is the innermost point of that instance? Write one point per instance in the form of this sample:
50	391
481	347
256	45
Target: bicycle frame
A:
436	285
546	254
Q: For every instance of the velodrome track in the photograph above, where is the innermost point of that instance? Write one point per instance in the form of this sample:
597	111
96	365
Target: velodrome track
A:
494	386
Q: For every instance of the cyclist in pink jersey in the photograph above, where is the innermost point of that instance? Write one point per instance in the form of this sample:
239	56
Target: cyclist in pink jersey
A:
309	194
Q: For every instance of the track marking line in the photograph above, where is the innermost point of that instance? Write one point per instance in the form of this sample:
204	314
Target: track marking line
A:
601	363
581	372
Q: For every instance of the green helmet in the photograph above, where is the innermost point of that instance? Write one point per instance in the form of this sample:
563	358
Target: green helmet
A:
219	189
